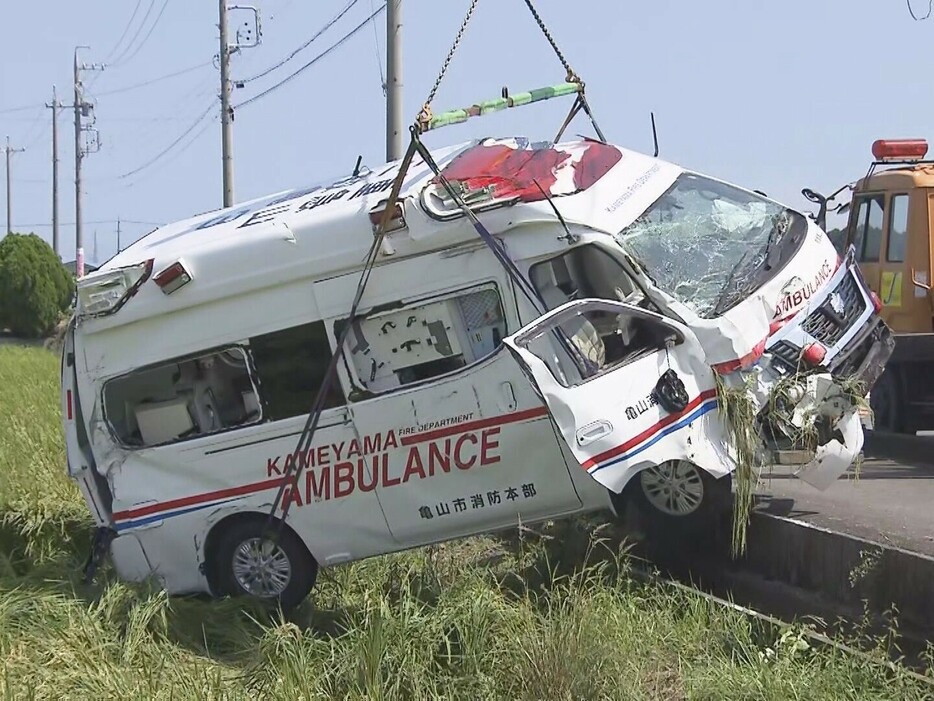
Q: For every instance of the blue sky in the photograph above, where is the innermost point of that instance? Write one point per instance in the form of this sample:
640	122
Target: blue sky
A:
774	96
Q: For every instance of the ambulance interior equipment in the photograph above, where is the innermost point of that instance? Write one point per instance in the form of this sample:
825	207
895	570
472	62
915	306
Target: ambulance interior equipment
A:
196	396
424	339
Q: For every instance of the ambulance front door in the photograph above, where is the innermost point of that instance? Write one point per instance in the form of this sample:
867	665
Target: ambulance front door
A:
457	439
626	388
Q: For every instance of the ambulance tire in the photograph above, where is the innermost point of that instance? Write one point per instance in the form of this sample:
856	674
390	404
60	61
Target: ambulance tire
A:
302	567
715	496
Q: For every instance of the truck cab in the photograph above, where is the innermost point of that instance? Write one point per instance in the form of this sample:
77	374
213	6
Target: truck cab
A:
889	224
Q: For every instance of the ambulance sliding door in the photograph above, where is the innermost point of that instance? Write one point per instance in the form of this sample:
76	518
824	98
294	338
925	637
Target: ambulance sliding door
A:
451	435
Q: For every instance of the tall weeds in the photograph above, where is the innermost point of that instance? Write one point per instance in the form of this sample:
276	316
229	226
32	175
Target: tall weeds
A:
548	613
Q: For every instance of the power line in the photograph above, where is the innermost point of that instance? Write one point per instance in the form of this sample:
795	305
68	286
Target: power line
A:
39	134
97	222
127	88
23	108
125	30
170	146
178	152
912	12
30	128
117	61
304	46
129	58
313	61
379	58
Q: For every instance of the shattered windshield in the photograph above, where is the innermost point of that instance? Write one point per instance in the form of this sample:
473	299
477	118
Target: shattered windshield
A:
711	245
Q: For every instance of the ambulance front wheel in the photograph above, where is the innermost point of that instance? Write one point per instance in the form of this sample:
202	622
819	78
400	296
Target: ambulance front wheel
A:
680	496
250	563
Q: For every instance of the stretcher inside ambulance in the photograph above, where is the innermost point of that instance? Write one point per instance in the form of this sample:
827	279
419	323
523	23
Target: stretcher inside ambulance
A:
571	358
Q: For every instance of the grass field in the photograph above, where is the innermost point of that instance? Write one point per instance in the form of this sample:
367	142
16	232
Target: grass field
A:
545	616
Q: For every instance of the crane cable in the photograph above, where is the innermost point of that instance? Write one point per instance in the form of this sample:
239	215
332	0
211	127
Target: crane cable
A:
424	117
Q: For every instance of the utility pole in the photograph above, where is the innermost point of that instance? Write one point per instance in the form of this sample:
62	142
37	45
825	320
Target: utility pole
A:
55	106
79	242
248	36
393	80
226	110
82	109
9	150
118	234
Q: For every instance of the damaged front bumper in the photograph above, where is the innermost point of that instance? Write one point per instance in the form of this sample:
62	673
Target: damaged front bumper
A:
833	458
809	421
822	414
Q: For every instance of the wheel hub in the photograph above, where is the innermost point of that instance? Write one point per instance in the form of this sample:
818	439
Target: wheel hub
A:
674	488
261	568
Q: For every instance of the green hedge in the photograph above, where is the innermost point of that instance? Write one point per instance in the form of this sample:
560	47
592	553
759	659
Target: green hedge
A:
35	288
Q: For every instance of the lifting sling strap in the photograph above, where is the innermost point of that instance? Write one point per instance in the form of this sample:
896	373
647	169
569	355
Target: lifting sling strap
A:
296	462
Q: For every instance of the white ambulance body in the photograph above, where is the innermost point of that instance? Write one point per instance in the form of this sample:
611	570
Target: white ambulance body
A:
195	356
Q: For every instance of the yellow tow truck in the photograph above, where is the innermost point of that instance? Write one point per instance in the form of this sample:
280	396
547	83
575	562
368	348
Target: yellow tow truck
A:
890	222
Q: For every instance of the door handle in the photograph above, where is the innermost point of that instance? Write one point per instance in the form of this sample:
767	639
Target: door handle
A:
594	431
509	395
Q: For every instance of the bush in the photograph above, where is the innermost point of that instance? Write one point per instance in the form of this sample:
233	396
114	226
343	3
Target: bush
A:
35	288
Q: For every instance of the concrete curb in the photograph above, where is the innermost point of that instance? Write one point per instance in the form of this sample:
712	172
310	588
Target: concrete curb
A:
844	568
899	447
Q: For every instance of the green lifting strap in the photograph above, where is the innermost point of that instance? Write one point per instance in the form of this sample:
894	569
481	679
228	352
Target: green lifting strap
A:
460	115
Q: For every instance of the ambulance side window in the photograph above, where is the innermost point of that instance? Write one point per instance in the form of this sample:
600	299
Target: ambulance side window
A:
182	399
604	337
421	340
290	365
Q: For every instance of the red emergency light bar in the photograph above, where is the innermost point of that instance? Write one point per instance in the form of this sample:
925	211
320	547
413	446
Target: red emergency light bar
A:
899	149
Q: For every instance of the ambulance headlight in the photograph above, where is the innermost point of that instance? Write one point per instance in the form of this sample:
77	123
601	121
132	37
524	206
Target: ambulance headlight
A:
105	291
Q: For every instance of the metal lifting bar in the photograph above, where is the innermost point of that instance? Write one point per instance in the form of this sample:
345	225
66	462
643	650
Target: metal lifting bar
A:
460	115
426	121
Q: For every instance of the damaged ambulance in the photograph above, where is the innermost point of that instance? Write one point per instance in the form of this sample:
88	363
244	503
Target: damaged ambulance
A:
194	357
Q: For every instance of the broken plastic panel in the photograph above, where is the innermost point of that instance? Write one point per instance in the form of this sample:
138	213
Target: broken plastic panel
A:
104	292
496	172
834	458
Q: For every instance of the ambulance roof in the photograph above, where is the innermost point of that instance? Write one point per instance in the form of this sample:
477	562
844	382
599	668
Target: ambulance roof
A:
323	230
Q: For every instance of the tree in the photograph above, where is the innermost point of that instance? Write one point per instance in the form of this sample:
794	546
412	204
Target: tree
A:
35	288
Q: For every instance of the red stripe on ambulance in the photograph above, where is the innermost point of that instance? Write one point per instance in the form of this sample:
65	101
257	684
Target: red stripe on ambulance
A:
337	470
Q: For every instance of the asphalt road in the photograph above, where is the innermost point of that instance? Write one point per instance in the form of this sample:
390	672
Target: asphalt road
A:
890	501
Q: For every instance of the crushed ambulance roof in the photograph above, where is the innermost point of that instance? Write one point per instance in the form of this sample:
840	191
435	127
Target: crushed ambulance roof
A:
324	229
